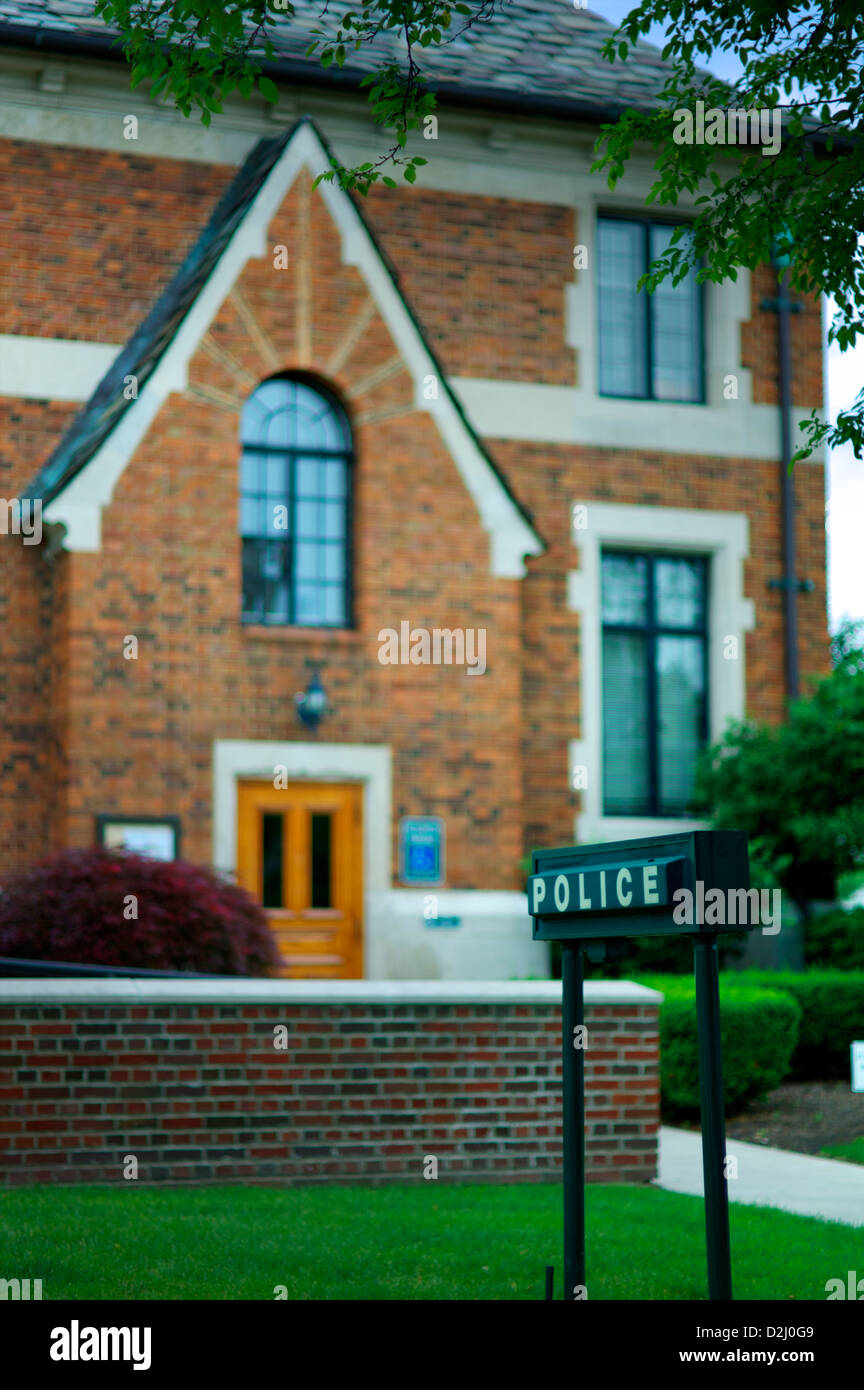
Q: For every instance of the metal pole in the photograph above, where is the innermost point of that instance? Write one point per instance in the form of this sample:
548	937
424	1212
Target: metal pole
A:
573	1079
713	1122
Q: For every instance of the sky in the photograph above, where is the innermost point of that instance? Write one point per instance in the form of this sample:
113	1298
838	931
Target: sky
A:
844	378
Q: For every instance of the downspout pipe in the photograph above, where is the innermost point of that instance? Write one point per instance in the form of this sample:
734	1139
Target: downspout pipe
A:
784	306
787	491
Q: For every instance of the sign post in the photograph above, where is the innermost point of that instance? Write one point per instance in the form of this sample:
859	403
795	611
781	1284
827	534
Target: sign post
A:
596	898
573	1085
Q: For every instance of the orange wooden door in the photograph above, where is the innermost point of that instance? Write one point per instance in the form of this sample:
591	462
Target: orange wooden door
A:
299	852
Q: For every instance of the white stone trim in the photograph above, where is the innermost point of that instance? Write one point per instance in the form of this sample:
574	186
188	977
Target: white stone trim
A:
80	502
491	939
537	166
569	415
231	990
59	369
368	763
722	535
52	369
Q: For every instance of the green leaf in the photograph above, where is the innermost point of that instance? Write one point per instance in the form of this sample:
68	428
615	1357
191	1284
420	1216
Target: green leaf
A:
268	89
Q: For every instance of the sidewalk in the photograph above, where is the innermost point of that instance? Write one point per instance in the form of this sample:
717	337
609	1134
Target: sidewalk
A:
768	1177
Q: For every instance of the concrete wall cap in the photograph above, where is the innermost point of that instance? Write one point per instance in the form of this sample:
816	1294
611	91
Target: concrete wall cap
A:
231	990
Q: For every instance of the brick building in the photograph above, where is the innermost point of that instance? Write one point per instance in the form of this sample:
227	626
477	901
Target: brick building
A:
278	436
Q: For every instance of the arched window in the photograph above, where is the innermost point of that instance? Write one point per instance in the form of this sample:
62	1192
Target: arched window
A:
295	475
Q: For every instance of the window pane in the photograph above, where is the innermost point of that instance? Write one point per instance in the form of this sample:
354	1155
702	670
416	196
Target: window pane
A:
308	479
334	520
308	524
277	601
251	521
679	589
253	591
274	476
307	561
334	562
252	473
335	606
270	396
621	309
335	476
320	877
313	419
309	611
625	588
626	777
676	350
278	428
285	571
271	860
680	698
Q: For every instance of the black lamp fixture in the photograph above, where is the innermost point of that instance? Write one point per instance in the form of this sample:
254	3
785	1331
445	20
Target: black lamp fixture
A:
312	703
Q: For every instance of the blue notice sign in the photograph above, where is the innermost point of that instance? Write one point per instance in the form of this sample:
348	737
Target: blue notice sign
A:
421	850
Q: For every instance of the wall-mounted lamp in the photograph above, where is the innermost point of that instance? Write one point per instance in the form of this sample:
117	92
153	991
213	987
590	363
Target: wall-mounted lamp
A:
312	703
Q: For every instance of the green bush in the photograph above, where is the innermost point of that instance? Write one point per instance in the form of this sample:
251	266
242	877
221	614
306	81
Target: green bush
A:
835	939
759	1029
797	788
832	1009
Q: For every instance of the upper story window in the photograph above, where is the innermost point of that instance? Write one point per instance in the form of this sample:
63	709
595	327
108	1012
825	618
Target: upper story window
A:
650	345
295	483
655	713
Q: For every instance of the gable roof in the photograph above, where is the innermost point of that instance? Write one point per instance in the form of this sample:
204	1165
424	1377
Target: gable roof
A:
104	435
535	55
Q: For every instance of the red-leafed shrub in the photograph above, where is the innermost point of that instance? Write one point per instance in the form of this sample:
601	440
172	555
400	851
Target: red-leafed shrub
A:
79	906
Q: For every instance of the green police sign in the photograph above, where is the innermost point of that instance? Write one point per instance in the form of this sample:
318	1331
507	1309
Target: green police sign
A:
591	898
644	887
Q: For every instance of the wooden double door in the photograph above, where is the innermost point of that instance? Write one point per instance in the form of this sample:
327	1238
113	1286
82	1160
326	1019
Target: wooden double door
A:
300	853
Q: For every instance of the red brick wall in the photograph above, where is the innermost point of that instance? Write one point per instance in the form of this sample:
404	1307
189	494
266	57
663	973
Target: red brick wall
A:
91	238
85	731
549	478
31	616
140	732
362	1093
485	275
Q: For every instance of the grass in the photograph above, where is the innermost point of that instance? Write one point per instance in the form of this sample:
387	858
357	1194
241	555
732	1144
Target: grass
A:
853	1152
423	1242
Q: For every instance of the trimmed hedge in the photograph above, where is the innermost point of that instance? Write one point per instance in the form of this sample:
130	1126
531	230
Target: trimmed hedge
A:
835	940
832	1016
759	1029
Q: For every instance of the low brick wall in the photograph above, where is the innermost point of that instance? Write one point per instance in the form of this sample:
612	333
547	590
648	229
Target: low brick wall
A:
191	1079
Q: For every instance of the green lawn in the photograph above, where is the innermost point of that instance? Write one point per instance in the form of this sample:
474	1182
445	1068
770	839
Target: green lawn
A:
853	1152
424	1242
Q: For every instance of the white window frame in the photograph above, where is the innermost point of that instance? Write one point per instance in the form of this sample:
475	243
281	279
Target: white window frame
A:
724	538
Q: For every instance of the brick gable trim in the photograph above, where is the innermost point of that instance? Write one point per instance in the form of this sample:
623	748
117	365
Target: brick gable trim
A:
79	479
